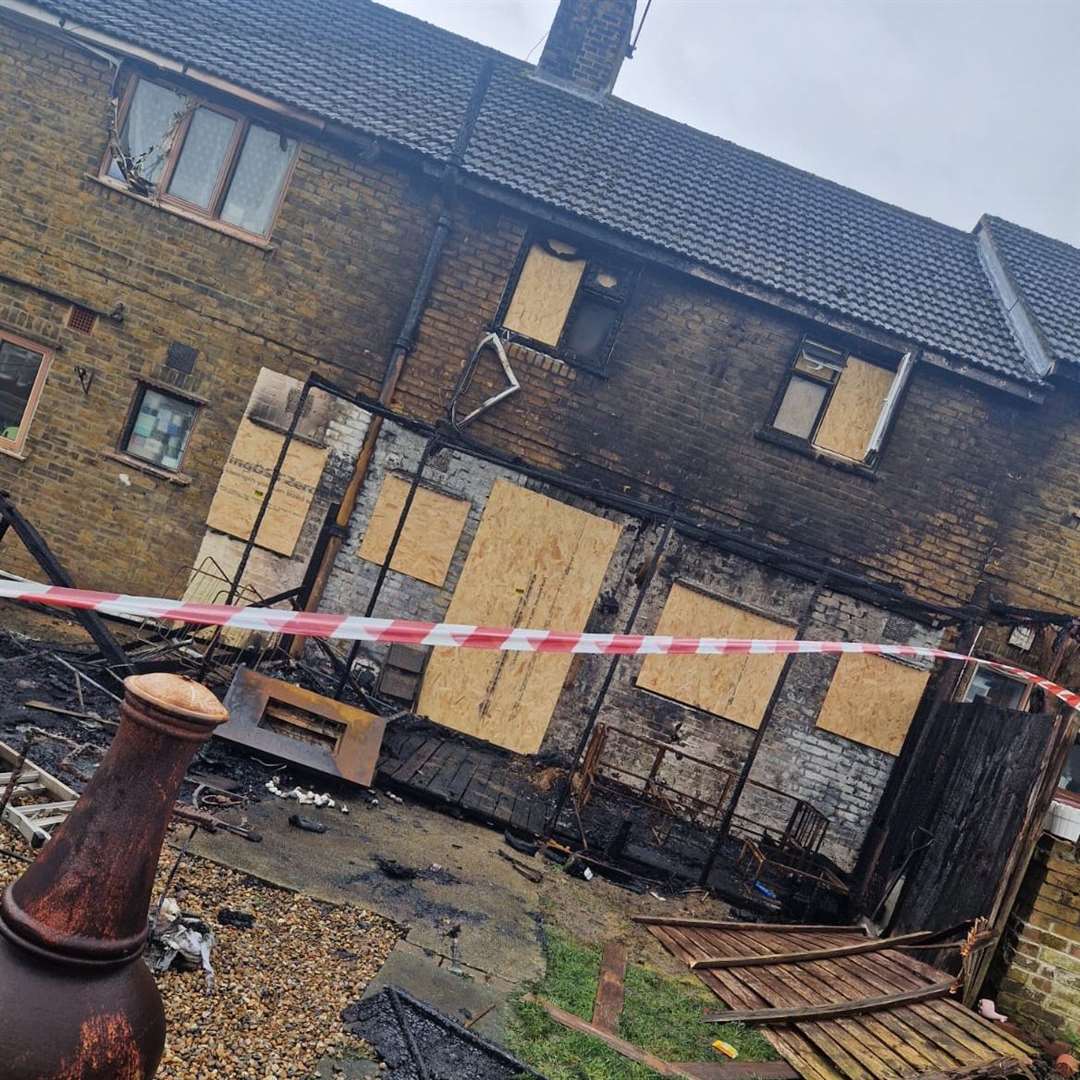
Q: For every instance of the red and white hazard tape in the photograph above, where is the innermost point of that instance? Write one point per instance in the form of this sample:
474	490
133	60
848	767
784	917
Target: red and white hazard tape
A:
449	635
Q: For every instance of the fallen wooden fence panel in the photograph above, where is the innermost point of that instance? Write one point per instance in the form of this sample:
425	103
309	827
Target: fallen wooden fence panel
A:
934	1036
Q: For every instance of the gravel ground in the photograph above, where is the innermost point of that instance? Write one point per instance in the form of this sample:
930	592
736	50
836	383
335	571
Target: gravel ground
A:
281	985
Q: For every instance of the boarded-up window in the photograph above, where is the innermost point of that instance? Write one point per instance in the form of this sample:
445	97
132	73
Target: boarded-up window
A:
244	482
545	289
537	563
854	408
736	687
871	700
429	537
833	401
567	303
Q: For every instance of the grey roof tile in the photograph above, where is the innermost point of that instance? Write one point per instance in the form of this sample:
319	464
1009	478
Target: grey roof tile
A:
1047	273
637	172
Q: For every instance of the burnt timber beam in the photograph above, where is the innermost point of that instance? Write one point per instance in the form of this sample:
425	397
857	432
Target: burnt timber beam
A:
871	946
730	924
794	1013
35	544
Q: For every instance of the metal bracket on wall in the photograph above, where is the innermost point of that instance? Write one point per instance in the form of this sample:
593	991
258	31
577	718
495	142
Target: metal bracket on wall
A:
488	341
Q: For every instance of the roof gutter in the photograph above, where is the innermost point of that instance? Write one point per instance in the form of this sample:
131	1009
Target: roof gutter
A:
90	37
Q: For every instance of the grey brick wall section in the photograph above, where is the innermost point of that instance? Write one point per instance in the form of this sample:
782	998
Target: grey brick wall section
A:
841	778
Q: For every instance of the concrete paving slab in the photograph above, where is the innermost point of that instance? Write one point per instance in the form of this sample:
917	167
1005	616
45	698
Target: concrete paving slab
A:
448	882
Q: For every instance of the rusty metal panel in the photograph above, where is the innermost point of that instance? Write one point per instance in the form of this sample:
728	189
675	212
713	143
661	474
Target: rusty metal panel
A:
302	727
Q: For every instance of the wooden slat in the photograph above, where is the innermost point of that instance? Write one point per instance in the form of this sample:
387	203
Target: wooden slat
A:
609	990
858	1052
836	1042
888	1042
833	1009
620	1046
871	946
908	1038
795	1048
729	924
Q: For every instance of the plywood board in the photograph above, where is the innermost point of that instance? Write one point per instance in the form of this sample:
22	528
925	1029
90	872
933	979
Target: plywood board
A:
244	482
871	701
429	538
854	409
534	563
735	687
545	290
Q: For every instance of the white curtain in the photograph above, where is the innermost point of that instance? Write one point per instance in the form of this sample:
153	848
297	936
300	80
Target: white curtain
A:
256	184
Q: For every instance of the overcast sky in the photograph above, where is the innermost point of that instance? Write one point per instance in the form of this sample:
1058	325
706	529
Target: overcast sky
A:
950	108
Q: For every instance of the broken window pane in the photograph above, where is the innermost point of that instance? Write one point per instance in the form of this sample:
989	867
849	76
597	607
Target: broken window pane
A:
202	157
151	117
160	429
588	329
19	370
256	185
799	410
994	688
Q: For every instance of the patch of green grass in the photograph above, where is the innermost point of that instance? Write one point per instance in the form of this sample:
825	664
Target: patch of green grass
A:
660	1015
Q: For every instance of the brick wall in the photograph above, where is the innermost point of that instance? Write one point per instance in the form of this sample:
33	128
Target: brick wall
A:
1040	979
689	385
347	247
841	777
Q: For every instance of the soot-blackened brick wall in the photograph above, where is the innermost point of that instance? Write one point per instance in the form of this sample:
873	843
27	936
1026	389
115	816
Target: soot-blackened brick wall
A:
689	386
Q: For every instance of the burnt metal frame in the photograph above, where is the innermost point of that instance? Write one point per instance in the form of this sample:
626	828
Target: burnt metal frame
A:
629	275
656	794
803	832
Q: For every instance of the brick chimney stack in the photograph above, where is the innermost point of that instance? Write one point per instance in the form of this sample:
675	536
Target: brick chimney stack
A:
588	42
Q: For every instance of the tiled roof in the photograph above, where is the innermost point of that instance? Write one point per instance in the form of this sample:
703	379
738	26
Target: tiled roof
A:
634	171
1047	274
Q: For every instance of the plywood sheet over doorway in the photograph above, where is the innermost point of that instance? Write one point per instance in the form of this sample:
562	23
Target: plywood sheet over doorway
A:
534	563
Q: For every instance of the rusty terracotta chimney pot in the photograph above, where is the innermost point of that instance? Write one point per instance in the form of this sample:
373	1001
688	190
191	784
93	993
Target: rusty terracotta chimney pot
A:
77	1002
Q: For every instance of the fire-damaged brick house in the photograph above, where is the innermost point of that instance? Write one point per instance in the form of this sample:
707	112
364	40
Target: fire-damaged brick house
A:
624	374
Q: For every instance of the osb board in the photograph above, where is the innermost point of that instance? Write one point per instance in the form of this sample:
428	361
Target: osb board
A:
534	563
736	687
244	482
871	701
854	409
545	290
429	537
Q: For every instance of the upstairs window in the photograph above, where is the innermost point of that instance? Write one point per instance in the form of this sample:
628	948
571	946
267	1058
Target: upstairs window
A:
566	303
23	369
199	157
834	401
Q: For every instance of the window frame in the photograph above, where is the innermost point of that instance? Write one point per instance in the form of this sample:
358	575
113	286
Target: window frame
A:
627	271
15	447
900	364
135	405
211	214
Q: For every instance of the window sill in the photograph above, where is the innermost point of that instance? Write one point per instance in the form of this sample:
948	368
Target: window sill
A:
179	479
789	442
548	356
178	211
10	451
